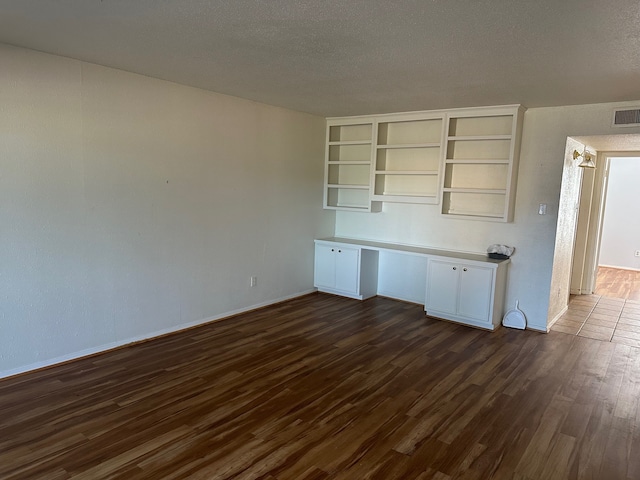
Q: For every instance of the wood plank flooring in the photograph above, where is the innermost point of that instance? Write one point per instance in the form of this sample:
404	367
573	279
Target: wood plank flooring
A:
618	283
323	387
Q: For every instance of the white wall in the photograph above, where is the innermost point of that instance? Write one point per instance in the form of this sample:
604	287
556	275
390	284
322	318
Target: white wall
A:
531	273
621	227
131	206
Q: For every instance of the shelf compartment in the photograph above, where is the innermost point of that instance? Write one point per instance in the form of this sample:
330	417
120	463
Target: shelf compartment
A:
353	152
409	145
408	159
407	172
486	161
478	150
348	198
479	125
492	191
474	204
471	138
348	175
406	185
410	132
350	133
350	162
481	176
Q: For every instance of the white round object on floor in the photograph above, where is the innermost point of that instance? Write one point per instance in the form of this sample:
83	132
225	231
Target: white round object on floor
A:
515	318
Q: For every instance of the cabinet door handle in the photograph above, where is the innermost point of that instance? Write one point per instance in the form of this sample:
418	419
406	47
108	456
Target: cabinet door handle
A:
455	268
332	250
339	251
464	269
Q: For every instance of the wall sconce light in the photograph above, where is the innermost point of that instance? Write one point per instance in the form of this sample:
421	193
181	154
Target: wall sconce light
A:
587	159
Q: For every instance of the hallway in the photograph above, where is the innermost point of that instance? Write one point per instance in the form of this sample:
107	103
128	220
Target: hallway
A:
611	314
618	283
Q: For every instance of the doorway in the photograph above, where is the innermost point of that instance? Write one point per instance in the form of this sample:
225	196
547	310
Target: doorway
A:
597	311
618	272
607	233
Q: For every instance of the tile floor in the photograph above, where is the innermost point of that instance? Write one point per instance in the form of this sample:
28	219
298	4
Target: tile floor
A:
602	318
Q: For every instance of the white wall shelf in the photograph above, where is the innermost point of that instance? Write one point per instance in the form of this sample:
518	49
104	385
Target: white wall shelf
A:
407	158
349	162
409	145
462	159
476	190
347	177
481	163
477	161
476	138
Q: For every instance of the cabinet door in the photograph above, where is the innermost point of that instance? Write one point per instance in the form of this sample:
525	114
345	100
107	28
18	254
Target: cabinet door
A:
347	269
442	286
325	266
475	292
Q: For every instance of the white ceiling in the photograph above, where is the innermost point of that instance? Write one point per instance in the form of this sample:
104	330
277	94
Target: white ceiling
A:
350	57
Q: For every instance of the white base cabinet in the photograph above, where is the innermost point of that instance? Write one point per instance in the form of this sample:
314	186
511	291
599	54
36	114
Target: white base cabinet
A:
467	292
462	287
346	270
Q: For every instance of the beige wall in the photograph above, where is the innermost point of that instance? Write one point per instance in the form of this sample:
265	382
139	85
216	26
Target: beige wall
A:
131	206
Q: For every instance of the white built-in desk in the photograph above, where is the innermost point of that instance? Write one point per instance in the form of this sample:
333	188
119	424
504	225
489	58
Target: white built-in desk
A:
462	287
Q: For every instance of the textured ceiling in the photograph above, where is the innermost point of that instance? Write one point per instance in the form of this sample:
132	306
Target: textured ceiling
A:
607	143
353	56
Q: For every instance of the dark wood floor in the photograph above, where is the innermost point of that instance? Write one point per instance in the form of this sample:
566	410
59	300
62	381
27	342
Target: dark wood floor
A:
323	387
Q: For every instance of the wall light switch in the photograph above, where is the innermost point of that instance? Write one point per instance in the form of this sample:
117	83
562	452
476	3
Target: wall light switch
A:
542	209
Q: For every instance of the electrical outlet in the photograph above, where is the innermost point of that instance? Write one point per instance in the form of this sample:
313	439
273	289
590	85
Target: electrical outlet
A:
254	281
637	254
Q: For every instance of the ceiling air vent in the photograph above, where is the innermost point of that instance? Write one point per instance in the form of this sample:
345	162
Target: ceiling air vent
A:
628	117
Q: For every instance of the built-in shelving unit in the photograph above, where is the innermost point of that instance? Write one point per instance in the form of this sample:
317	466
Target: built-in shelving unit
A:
348	166
407	162
481	161
465	159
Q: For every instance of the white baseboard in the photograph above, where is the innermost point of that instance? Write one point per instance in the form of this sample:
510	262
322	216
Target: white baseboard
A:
537	328
620	268
149	336
395	296
557	317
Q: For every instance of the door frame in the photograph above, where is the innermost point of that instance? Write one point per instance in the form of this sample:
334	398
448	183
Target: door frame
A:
596	217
